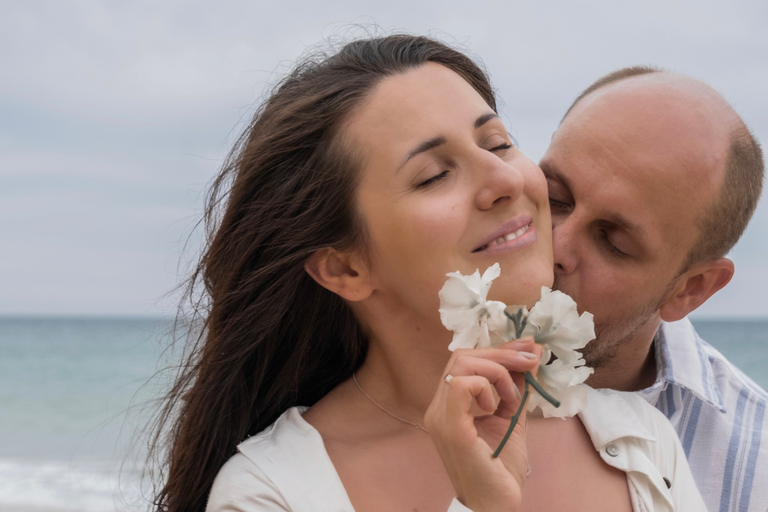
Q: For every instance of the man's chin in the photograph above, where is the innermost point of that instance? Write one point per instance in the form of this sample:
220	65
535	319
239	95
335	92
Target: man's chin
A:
599	352
612	337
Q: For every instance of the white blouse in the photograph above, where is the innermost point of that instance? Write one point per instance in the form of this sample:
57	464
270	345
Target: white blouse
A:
286	467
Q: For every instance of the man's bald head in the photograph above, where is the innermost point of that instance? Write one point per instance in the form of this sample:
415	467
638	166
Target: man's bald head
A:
723	220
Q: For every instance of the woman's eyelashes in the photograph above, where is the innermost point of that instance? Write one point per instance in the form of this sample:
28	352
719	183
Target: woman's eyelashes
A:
498	148
502	147
434	179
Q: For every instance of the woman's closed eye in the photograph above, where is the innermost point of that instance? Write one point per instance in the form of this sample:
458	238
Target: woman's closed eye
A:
433	180
502	147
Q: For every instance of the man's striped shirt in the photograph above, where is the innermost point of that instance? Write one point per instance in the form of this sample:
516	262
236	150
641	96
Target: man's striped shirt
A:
719	414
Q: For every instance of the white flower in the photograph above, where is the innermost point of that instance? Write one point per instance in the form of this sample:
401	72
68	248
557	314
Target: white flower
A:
554	322
465	310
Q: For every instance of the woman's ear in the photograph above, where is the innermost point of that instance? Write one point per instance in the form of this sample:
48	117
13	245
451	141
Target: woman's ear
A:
343	273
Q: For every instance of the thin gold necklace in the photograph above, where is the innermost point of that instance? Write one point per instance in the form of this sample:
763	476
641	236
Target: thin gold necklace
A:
390	413
419	425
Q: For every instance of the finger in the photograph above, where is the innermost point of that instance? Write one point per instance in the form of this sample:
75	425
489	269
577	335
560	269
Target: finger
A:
466	390
513	360
538	350
497	375
524	343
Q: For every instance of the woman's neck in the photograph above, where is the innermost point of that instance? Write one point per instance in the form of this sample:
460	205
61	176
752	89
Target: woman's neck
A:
405	360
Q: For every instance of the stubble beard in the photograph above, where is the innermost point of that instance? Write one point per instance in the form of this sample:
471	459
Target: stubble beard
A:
613	334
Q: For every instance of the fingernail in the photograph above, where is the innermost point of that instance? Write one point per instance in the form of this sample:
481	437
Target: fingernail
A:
528	355
524	339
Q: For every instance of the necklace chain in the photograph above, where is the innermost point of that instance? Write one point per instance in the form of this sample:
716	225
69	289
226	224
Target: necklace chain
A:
390	413
416	424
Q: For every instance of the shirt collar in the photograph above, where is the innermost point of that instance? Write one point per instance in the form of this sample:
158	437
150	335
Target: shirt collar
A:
610	417
682	360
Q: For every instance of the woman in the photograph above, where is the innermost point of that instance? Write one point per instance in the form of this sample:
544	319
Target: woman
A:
362	181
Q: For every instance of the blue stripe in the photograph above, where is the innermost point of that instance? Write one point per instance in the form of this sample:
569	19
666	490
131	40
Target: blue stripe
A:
661	403
668	369
754	450
706	378
690	427
669	395
733	448
753	387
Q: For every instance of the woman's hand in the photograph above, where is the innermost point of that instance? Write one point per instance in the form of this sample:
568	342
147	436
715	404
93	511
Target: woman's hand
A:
466	434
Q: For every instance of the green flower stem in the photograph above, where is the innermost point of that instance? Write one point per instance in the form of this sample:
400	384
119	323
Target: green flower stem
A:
529	380
546	396
512	422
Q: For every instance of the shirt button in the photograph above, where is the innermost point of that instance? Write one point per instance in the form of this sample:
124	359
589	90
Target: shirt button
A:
612	450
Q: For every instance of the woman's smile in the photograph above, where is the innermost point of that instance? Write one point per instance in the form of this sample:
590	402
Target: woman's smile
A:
511	236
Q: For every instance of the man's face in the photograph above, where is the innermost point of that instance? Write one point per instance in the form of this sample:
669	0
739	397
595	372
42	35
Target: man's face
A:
626	186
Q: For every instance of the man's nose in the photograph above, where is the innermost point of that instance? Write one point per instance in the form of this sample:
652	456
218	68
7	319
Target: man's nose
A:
564	245
501	182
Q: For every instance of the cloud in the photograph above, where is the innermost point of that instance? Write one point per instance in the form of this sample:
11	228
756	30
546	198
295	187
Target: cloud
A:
114	116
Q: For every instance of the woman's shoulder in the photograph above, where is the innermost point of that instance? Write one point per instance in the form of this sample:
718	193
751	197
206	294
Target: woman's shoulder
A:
244	482
288	429
241	485
284	467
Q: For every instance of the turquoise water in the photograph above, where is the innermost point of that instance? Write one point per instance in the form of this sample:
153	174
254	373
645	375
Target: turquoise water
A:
66	386
70	391
743	342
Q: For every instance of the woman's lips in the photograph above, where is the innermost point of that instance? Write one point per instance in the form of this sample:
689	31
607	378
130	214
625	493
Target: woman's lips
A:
515	233
506	238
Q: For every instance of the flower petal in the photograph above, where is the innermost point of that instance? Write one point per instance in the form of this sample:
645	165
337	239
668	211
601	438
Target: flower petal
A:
489	275
464	309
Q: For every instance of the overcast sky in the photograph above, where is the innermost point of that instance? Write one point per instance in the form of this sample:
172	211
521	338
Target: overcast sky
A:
115	115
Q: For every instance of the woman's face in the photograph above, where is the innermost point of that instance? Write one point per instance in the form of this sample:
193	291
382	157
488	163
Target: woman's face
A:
442	189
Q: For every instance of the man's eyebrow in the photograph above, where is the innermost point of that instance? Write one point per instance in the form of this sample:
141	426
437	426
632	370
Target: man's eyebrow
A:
551	172
440	140
626	224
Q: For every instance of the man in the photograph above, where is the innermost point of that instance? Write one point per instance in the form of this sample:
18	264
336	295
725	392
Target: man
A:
652	179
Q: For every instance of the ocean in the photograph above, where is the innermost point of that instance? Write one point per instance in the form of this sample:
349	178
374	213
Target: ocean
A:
71	396
71	391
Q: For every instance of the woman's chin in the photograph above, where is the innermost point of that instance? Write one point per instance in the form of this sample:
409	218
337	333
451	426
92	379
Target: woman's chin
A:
521	290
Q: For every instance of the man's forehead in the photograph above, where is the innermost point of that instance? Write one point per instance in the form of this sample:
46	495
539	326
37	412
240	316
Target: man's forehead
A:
670	117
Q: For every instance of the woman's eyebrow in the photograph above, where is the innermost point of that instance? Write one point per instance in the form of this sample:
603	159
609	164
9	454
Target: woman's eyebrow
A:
480	121
440	140
423	147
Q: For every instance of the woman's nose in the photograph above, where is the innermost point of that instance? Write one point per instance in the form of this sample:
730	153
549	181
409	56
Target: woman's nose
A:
501	182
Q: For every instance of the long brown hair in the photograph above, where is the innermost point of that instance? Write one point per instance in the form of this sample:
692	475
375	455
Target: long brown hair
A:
269	337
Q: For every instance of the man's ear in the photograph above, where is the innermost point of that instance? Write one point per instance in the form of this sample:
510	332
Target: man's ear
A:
695	287
343	273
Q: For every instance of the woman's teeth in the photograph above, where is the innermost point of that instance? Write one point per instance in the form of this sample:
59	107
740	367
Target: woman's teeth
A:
507	238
